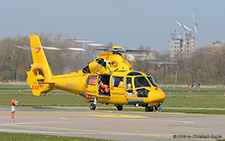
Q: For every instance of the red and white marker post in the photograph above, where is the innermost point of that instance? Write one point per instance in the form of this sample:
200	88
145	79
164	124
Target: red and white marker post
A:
13	109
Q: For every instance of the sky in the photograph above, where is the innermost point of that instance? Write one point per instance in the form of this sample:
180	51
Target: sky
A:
127	23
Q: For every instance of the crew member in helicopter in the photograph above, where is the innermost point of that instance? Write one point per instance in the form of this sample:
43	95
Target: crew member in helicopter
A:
104	88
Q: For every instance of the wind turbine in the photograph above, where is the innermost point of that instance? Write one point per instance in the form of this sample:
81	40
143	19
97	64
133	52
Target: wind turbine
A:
184	35
196	29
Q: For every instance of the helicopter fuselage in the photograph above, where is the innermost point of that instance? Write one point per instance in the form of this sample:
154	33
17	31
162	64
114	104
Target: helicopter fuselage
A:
125	87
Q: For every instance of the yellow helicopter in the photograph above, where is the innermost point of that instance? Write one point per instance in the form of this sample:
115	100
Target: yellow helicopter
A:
109	79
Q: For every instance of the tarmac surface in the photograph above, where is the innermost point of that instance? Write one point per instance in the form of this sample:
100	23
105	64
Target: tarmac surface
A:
114	125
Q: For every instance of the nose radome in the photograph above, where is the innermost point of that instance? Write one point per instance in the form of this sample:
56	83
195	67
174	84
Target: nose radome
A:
159	95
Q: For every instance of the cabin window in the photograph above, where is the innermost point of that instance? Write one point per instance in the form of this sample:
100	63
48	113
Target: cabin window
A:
141	82
117	82
91	80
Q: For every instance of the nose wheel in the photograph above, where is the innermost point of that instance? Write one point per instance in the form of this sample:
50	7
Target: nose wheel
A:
157	107
149	108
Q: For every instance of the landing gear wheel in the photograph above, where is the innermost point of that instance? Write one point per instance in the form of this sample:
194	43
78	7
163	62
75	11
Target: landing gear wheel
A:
149	108
156	107
92	107
119	107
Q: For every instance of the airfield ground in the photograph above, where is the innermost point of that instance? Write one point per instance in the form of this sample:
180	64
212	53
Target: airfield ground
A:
115	125
64	114
176	98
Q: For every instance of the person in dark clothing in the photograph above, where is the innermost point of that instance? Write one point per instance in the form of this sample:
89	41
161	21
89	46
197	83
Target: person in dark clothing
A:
199	84
193	85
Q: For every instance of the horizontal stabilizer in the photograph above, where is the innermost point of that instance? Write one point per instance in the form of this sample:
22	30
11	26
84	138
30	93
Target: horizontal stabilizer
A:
32	81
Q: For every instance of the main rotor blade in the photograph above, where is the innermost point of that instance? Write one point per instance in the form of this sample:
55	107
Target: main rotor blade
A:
96	45
151	59
28	48
77	49
83	41
22	47
51	48
163	63
99	49
136	51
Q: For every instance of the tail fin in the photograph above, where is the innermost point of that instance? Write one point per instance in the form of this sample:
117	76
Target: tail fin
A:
40	74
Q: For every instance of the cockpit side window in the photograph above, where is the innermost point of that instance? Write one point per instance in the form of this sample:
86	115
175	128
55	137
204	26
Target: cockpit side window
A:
152	81
141	82
91	80
129	87
117	82
86	69
128	82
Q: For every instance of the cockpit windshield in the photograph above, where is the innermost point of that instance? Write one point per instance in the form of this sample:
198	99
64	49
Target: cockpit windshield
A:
141	82
152	81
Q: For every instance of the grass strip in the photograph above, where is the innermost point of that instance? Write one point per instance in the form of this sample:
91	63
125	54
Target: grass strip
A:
40	137
193	99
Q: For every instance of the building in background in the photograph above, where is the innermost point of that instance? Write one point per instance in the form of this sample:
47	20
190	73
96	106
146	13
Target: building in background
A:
176	46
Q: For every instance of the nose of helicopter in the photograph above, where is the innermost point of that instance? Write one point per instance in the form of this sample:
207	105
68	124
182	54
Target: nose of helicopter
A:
158	95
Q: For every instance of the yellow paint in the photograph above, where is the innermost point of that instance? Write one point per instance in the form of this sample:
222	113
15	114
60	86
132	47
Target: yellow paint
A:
118	115
117	47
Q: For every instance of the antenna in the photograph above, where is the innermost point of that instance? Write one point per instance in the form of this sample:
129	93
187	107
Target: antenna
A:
196	29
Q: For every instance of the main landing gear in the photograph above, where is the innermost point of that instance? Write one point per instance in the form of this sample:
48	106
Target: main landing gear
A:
149	108
93	105
119	107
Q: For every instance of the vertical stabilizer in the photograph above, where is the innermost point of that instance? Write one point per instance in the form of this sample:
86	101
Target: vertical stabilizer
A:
40	73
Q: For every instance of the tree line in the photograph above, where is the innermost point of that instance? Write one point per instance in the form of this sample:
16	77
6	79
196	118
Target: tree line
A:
206	65
201	66
14	62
